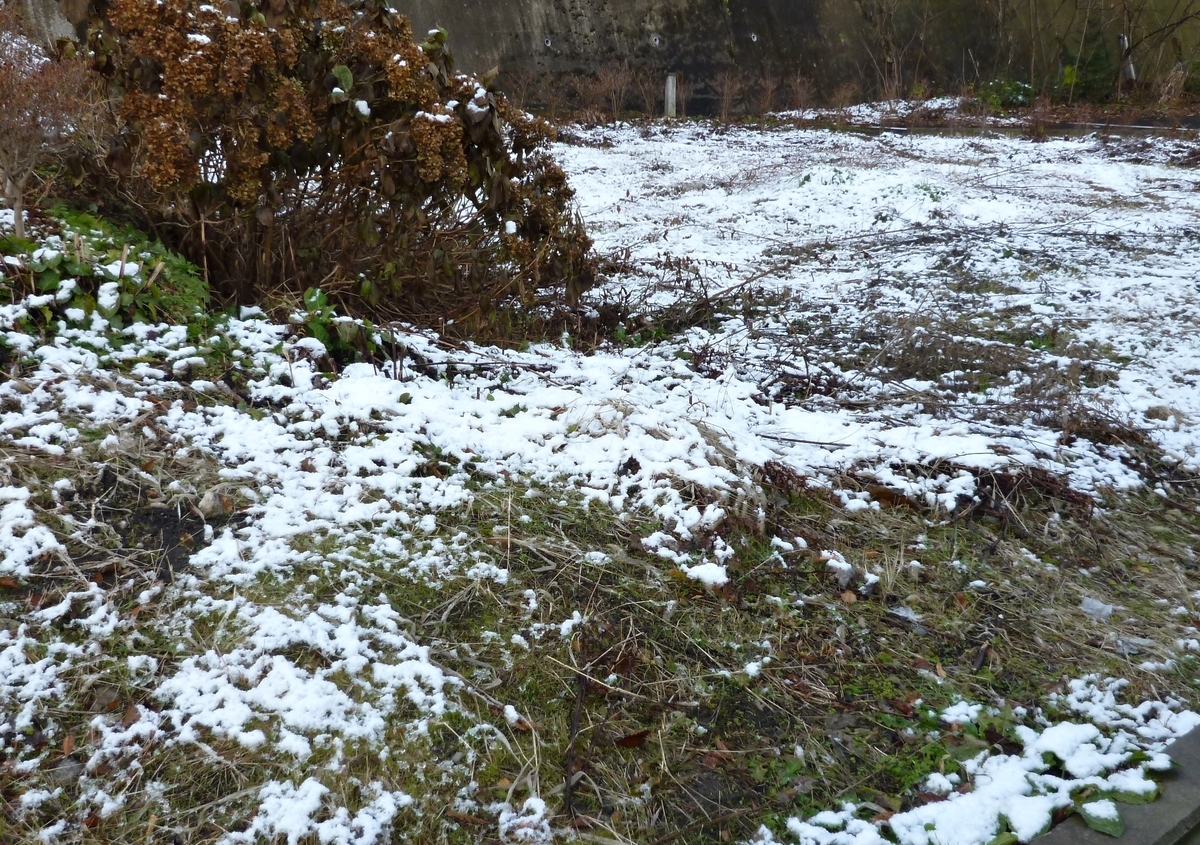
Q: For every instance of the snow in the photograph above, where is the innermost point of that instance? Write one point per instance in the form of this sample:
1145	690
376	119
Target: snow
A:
122	269
1101	809
709	574
332	462
1013	789
22	540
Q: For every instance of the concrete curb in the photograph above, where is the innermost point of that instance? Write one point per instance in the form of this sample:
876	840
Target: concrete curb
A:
1172	819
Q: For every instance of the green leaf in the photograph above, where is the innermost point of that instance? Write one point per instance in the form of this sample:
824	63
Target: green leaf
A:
1129	797
48	281
1103	816
1006	838
345	79
347	332
315	299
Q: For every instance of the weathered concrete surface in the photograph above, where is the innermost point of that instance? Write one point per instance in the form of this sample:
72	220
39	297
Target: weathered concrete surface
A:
1172	819
820	39
572	35
47	20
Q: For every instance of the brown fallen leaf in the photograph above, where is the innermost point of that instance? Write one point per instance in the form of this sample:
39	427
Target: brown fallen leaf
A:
849	597
941	673
890	498
10	583
961	600
465	818
634	740
132	715
625	664
68	745
719	757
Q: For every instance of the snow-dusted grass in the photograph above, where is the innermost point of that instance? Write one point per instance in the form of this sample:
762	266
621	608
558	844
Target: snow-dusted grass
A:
887	474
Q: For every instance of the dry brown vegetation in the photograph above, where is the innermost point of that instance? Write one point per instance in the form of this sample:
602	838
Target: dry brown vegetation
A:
42	101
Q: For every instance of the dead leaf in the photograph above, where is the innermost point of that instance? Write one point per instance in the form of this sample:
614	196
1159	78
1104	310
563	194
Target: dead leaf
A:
307	465
719	757
466	818
634	740
9	583
961	600
888	497
849	597
625	664
132	715
68	745
882	817
941	673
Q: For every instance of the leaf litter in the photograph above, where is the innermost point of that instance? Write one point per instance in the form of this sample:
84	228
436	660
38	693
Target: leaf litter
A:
943	332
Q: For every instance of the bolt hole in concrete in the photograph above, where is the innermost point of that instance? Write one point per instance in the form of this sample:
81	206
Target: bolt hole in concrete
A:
656	40
754	36
547	42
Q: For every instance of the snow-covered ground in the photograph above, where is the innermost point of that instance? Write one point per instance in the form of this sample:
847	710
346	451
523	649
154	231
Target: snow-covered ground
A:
1074	258
1068	242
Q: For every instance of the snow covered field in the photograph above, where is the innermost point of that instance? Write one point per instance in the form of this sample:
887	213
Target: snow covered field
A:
890	318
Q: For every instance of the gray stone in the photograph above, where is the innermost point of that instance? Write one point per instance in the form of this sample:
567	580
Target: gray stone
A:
1172	819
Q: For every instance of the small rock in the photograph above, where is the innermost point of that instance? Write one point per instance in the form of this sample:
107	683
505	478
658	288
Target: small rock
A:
66	770
1096	608
213	504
